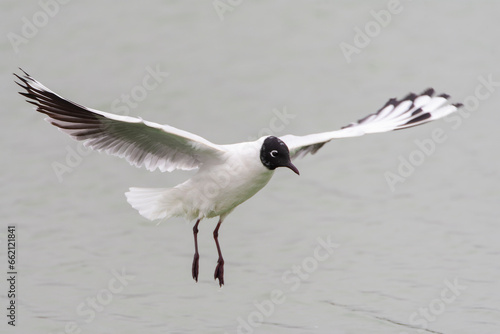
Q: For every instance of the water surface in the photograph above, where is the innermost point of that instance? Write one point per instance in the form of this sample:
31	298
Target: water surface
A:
424	254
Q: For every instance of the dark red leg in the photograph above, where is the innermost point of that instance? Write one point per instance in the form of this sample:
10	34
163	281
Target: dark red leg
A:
219	270
196	255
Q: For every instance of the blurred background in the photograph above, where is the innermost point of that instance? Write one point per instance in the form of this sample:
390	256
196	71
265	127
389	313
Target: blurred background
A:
415	230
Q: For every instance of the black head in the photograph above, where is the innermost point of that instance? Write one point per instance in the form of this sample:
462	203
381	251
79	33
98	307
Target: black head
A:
274	153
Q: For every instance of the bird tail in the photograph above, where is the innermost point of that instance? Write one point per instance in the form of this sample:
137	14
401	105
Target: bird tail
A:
153	203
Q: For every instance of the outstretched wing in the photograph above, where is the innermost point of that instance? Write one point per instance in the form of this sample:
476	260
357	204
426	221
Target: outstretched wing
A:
141	142
411	111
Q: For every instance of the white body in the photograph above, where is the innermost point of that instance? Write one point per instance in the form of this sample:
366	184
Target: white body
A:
215	190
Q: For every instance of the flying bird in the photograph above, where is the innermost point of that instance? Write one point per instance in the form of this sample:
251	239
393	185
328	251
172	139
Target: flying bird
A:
227	175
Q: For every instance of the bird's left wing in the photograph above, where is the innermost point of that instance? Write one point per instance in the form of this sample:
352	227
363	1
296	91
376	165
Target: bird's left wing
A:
410	111
140	142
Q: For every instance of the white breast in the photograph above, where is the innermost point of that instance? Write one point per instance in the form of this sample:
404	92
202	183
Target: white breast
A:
218	188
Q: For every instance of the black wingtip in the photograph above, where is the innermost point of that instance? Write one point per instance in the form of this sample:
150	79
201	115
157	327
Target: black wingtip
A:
28	95
20	84
410	97
24	84
25	73
420	118
429	91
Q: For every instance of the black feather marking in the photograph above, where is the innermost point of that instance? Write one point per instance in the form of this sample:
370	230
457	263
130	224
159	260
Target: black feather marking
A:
428	91
410	97
419	118
419	110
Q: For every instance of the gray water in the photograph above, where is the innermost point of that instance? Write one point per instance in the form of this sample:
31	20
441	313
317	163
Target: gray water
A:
420	252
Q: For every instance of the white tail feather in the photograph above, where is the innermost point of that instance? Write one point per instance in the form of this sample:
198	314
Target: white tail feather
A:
153	203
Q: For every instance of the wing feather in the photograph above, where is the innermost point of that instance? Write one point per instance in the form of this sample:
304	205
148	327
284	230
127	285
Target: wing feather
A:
141	143
410	111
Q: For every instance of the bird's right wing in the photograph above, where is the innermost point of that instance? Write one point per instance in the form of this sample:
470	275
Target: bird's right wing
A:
140	142
411	111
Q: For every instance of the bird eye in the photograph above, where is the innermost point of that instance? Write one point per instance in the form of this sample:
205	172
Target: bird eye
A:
274	153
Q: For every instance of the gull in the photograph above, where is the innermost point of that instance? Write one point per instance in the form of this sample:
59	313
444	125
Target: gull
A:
227	175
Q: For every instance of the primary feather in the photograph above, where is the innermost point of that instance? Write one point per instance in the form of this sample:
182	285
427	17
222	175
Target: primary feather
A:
410	111
140	142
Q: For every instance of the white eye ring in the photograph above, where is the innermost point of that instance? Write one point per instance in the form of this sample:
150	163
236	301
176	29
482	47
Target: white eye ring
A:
274	153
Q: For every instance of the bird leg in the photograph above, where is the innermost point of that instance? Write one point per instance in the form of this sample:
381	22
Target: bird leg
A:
219	270
196	257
